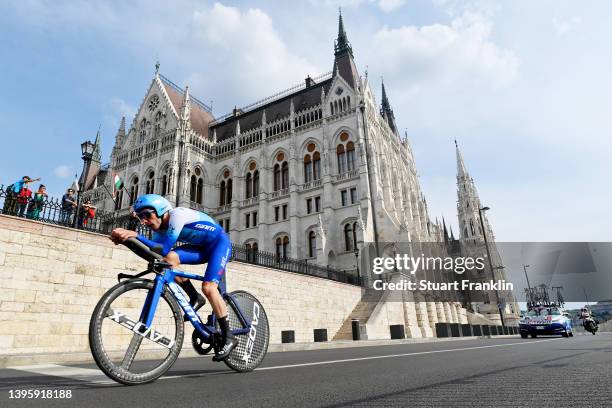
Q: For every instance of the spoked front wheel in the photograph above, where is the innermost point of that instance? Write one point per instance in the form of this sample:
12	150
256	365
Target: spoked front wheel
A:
123	348
252	346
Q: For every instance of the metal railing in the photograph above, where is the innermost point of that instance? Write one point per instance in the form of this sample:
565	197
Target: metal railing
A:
51	211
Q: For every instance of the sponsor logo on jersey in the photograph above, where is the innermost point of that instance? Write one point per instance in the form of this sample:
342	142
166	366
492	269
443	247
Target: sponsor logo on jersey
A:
205	227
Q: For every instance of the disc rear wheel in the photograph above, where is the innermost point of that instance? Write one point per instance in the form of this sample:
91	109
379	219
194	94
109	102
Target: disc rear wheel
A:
253	346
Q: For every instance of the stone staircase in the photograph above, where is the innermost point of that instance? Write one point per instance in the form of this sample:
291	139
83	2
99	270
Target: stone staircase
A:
362	312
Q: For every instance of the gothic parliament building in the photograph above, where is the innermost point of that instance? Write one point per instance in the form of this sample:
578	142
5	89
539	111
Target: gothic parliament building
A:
312	173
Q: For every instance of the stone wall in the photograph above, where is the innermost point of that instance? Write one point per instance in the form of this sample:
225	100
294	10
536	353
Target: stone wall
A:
52	277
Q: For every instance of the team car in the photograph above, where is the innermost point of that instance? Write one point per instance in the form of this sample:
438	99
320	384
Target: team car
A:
546	321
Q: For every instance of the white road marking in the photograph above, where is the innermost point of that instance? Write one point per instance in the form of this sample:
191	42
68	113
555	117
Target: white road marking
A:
400	355
97	377
82	374
364	358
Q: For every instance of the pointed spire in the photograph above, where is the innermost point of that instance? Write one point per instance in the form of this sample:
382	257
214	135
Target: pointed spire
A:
344	64
186	106
97	157
121	130
157	68
452	236
342	43
386	107
461	170
386	111
446	239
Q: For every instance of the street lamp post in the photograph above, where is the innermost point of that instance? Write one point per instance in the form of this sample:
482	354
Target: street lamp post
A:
530	300
87	152
356	252
484	234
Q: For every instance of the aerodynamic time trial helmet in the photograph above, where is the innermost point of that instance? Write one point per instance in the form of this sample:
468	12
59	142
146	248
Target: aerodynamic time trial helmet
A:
154	201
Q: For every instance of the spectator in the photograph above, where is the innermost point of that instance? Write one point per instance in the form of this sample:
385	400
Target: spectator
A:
12	191
68	205
88	212
37	202
22	200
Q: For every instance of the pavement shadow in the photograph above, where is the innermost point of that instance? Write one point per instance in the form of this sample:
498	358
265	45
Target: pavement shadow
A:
465	380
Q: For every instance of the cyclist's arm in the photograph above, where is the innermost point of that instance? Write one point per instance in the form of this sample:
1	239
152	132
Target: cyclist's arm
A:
167	240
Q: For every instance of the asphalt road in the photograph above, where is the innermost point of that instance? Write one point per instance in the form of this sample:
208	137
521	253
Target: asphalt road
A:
510	372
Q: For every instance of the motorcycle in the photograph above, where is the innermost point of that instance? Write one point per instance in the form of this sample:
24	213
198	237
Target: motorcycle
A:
590	325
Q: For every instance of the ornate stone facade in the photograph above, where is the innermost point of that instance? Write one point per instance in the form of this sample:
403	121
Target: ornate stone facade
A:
297	174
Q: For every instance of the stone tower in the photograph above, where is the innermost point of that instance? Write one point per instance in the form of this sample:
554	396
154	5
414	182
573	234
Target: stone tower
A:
472	238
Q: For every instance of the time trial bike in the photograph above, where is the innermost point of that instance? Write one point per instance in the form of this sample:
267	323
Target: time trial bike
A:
136	330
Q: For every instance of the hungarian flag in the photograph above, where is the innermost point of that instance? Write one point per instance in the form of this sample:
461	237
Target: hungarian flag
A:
118	183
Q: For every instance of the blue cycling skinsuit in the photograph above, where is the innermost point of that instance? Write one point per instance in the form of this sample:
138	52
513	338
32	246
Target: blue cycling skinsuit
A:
205	241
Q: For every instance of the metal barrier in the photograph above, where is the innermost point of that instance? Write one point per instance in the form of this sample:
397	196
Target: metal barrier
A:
50	211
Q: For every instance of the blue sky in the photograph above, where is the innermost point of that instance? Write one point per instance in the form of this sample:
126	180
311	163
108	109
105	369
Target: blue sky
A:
523	86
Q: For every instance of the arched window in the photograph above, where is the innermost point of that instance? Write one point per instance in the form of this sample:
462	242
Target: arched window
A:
252	181
307	168
118	199
282	247
316	166
225	188
251	252
341	154
312	164
196	186
192	188
249	185
164	187
281	173
222	189
345	151
285	175
150	188
312	244
157	127
277	177
472	227
348	237
165	181
255	183
134	190
143	131
350	156
200	191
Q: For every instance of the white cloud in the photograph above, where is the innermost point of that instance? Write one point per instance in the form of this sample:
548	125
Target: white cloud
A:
390	5
339	3
462	50
63	171
563	26
122	108
249	51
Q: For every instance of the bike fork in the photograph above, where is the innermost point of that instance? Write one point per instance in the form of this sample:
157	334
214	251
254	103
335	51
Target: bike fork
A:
148	311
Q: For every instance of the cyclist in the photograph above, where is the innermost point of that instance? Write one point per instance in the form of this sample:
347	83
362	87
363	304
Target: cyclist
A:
205	242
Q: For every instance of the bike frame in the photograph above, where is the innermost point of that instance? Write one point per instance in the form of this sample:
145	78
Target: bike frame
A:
166	278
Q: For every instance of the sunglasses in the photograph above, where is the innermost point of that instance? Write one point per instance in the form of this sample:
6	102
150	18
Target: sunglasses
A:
144	214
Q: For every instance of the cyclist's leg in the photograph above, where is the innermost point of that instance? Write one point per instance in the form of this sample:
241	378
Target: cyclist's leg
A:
217	260
189	255
218	255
